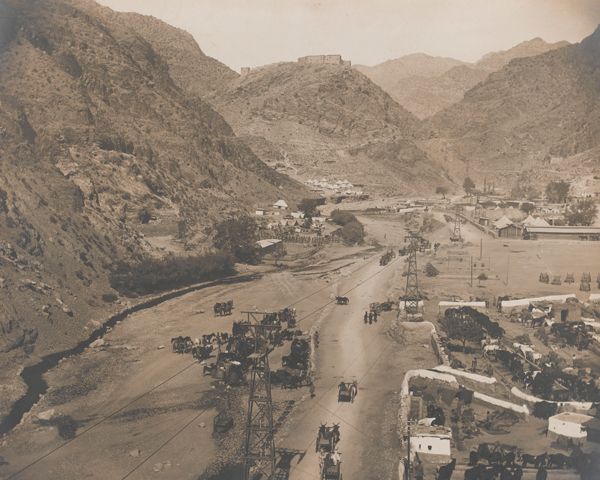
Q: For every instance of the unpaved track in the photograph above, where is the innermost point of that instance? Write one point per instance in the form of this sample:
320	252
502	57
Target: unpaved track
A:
350	350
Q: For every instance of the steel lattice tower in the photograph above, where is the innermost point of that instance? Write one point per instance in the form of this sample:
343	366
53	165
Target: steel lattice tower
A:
259	453
456	236
412	297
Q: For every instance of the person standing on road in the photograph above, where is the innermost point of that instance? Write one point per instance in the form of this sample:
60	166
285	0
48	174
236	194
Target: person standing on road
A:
418	470
375	317
366	317
312	389
370	318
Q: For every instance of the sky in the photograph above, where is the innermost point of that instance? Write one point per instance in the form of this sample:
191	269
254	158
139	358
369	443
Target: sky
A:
251	33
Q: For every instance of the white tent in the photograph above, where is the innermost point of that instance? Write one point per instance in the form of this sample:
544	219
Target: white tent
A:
540	222
529	220
281	204
503	222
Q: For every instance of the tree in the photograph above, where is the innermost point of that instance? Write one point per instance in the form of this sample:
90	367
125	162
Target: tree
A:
342	217
238	236
527	207
583	213
469	186
280	252
463	329
308	206
482	276
353	232
442	191
557	192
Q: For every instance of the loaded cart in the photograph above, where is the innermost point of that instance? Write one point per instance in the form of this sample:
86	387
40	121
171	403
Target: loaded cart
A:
347	391
331	467
223	422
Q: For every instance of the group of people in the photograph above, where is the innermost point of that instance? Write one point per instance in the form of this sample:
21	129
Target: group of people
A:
370	317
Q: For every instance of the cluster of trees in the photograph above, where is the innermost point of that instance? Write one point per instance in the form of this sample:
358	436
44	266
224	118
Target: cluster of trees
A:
583	213
469	186
352	230
462	329
308	206
238	236
153	275
557	192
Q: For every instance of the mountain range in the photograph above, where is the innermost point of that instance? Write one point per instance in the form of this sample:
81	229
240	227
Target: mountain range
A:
538	115
116	127
425	85
327	120
103	145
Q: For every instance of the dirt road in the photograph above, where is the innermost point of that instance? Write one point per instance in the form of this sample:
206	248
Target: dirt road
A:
352	350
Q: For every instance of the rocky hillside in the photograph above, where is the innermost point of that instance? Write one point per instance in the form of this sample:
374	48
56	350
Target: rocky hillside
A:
441	82
96	136
538	113
189	67
494	61
328	120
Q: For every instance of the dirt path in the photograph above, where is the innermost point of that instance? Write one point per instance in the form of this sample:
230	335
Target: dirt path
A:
351	350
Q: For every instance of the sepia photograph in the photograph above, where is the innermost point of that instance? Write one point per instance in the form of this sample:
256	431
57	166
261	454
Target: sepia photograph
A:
300	239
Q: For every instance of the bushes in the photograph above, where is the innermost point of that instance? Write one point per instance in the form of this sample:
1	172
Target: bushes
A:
341	217
109	297
156	275
352	230
238	236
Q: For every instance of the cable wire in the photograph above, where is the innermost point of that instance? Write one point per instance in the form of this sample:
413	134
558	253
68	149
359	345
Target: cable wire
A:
98	423
181	371
164	444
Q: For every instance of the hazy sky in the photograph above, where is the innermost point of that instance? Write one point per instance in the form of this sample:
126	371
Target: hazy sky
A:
257	32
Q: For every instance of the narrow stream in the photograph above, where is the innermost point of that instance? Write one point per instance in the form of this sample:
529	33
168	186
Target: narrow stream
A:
33	375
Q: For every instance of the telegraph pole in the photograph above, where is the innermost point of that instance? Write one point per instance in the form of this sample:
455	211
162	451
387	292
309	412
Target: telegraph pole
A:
410	424
259	452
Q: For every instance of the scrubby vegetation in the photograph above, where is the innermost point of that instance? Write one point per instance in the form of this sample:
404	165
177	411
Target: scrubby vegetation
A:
352	230
238	236
152	275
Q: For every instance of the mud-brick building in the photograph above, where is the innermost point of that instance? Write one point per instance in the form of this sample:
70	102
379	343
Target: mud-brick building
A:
325	59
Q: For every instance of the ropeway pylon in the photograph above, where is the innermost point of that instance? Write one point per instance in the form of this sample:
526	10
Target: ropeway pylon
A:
456	236
259	452
412	296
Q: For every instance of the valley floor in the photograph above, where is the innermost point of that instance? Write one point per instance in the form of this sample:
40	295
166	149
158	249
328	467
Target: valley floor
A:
141	411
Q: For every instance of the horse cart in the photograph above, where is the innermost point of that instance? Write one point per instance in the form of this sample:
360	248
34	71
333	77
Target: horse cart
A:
331	467
222	423
327	438
347	391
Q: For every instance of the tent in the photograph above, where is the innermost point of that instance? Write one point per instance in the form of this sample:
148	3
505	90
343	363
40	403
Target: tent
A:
503	222
529	220
540	222
281	204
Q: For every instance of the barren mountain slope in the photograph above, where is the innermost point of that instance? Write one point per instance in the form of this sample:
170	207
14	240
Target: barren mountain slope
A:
388	73
425	96
93	132
427	91
534	111
189	67
494	61
328	120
